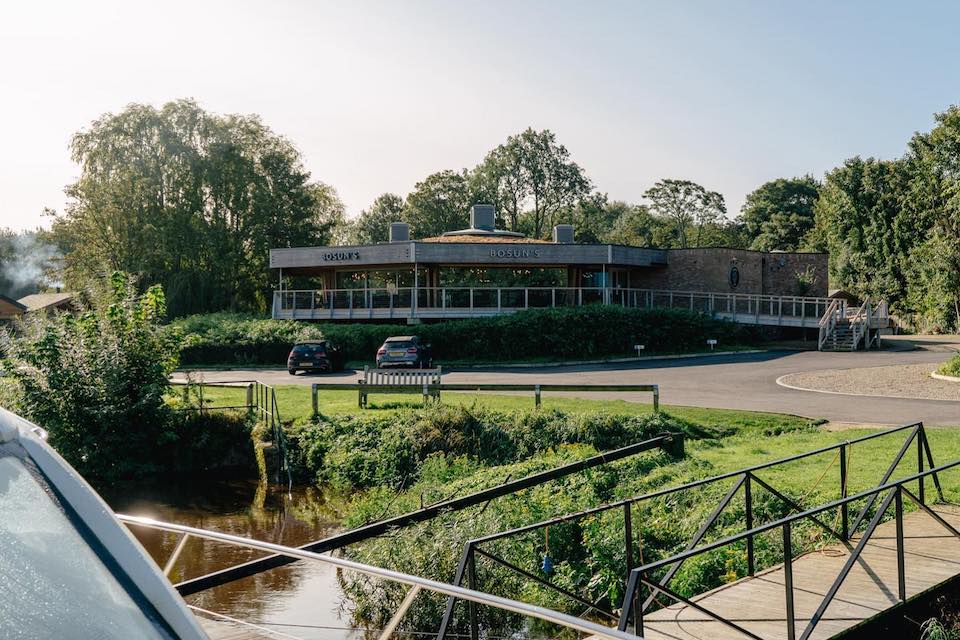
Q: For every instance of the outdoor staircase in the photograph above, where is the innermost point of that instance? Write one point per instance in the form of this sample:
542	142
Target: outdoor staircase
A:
845	329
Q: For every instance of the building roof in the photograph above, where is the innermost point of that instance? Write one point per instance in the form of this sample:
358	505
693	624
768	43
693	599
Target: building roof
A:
498	238
38	301
10	308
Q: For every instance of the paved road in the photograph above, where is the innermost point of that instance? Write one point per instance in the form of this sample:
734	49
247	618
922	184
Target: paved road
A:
743	381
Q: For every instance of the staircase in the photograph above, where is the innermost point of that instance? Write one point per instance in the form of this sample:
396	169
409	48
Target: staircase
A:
843	329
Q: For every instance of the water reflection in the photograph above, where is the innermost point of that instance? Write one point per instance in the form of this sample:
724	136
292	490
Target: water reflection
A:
302	599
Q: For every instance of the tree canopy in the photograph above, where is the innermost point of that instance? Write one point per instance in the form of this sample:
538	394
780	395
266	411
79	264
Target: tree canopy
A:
191	200
688	206
373	224
779	214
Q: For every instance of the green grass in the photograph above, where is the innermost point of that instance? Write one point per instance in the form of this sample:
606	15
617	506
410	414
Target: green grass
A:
294	403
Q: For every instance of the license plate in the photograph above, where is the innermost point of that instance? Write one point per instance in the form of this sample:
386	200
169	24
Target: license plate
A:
395	354
306	364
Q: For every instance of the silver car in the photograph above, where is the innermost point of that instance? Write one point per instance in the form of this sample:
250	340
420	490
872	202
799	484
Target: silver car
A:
405	351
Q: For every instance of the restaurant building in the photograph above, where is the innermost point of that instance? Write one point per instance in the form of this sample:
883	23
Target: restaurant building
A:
483	271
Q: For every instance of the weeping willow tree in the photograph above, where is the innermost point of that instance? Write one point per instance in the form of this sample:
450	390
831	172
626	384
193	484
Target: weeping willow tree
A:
191	200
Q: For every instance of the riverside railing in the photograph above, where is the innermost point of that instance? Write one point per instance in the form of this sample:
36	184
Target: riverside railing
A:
261	399
416	583
477	301
745	481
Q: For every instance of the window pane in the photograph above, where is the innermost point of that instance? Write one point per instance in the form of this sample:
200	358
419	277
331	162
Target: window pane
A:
52	585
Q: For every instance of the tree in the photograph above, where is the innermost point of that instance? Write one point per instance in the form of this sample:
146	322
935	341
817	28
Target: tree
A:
531	176
191	200
97	381
373	224
865	220
780	213
439	203
688	206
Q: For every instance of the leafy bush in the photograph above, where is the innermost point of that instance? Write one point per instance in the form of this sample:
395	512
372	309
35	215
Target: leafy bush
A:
578	332
239	338
362	451
951	367
97	382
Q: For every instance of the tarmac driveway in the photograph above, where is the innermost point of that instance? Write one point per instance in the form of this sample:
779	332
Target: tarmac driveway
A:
741	381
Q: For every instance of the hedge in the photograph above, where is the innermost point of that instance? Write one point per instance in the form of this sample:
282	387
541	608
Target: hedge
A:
576	332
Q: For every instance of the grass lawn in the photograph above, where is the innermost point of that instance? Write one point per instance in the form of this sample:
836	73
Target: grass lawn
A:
294	403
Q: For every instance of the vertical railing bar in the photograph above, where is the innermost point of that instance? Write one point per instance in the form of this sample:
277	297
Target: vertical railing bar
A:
172	560
788	581
901	568
748	506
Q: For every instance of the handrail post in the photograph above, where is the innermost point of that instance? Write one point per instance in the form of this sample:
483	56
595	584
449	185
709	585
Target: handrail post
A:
844	508
471	605
628	538
901	570
748	506
920	481
313	399
788	581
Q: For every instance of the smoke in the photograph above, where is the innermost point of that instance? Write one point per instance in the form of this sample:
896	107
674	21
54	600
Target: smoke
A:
27	264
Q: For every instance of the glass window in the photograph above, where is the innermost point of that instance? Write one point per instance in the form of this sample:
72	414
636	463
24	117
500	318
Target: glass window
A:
52	584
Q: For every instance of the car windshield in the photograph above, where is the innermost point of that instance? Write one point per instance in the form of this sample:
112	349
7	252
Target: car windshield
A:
54	585
309	349
400	344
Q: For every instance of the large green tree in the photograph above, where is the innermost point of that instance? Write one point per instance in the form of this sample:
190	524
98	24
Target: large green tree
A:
690	208
191	200
779	214
439	203
531	179
373	224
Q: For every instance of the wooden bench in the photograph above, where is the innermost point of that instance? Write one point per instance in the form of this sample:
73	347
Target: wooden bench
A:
425	381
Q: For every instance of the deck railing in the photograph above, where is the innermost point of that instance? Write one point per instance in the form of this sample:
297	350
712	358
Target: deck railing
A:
476	301
745	482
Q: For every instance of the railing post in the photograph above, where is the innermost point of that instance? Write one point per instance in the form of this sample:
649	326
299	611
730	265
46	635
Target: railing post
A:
471	298
920	481
748	502
498	299
526	298
901	570
536	395
788	581
313	399
553	298
472	583
250	397
628	539
844	508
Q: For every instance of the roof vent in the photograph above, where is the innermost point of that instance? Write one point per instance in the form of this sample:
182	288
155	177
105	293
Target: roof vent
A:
563	234
482	217
399	232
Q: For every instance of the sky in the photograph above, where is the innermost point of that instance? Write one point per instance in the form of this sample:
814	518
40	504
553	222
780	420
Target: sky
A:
378	95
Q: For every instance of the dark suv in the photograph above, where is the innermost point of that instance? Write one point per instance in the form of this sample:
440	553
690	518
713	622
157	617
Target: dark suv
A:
317	355
405	351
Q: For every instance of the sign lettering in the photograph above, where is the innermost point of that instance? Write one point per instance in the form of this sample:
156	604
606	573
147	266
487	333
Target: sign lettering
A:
336	256
514	253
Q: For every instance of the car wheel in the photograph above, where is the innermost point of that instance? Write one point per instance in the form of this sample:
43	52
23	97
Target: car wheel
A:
292	372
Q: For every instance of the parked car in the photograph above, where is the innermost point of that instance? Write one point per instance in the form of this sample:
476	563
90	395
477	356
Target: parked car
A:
405	351
317	355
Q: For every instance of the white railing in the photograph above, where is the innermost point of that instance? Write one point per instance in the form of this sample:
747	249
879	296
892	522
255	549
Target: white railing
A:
433	302
828	323
416	583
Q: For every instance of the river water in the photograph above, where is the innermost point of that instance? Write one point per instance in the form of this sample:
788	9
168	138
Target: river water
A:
302	599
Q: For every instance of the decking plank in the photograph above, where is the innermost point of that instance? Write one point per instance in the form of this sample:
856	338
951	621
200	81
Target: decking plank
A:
931	556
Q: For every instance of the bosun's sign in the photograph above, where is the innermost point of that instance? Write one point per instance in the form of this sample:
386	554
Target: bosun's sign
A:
339	256
514	253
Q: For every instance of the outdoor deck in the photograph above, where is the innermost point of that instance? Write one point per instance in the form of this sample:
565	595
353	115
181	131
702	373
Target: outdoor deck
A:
932	556
423	303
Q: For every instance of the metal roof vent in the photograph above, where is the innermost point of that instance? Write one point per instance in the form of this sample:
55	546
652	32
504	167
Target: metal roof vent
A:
482	217
563	234
399	232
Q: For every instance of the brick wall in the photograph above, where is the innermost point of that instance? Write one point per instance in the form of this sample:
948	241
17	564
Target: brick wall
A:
709	270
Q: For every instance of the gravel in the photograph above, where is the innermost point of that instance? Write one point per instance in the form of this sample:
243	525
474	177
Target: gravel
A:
898	381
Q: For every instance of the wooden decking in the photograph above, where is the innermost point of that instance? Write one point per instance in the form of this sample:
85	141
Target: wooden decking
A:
932	556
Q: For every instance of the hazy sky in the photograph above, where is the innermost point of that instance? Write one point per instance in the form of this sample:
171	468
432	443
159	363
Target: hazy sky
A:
377	95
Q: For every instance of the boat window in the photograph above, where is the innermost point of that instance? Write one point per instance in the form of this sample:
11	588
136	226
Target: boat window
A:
52	583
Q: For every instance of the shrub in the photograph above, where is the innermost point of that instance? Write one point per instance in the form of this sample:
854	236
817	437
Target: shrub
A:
579	332
361	451
951	367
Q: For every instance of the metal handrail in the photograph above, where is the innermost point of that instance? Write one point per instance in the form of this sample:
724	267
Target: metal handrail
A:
416	583
896	488
745	477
